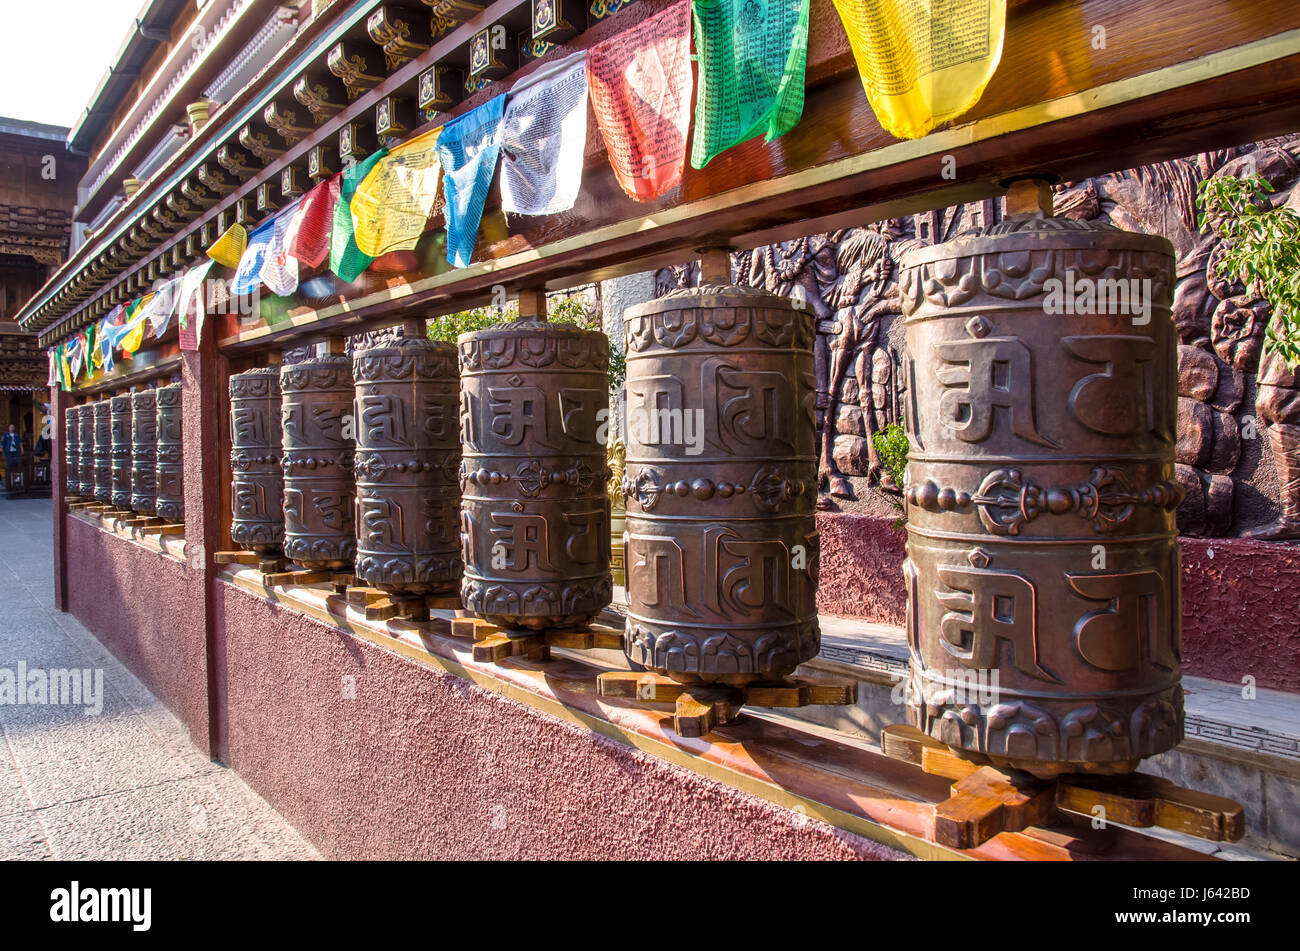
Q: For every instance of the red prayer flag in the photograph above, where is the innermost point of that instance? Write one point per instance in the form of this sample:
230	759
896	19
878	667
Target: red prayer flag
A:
308	238
640	87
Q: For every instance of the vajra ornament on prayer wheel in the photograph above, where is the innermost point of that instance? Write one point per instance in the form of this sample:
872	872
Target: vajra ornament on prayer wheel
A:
120	443
103	456
86	450
316	423
407	466
144	451
169	479
72	449
1043	566
721	485
257	493
534	511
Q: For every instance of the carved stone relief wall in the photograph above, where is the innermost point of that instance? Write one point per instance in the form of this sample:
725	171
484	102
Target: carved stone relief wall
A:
1238	406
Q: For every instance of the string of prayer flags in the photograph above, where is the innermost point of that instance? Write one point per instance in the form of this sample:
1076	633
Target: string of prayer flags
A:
280	270
923	64
468	149
346	259
640	82
131	334
543	138
392	204
308	237
248	276
228	249
752	56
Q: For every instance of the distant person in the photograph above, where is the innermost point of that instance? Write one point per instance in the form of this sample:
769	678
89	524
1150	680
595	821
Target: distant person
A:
12	445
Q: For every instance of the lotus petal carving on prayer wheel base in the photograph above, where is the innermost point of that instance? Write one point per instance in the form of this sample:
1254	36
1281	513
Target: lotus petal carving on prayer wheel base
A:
103	451
720	484
86	444
144	452
170	502
407	467
317	432
534	510
257	491
1043	565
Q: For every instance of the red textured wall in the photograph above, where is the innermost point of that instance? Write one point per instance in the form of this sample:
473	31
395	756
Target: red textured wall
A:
423	764
1241	608
148	610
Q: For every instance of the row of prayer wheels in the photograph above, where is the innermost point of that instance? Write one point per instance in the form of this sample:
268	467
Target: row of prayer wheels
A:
125	451
1042	567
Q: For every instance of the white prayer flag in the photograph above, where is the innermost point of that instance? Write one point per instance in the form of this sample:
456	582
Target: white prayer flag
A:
543	140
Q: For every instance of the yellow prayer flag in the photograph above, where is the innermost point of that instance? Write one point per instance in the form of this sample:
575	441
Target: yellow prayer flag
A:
923	63
229	248
130	343
392	203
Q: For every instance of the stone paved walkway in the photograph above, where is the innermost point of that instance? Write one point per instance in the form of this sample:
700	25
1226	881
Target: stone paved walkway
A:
123	784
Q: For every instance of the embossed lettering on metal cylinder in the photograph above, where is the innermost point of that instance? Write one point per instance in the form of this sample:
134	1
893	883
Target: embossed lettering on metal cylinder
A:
170	501
316	422
144	451
721	485
534	511
104	450
407	465
257	492
1043	568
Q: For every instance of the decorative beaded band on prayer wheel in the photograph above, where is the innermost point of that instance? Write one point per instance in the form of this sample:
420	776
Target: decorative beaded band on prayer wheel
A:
1043	565
170	502
407	466
86	447
257	493
721	485
104	450
316	418
534	511
144	452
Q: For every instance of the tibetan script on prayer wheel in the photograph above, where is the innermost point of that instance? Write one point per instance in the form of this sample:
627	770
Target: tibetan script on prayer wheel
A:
316	418
720	484
120	443
72	449
257	493
86	450
407	466
144	451
534	511
170	502
103	456
1043	567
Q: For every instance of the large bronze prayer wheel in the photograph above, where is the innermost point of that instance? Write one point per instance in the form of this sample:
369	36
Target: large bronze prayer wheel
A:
1043	564
72	449
103	456
144	452
534	511
257	497
316	417
86	450
169	476
720	484
120	442
407	466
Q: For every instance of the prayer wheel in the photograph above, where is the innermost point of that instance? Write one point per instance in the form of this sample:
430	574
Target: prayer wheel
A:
316	419
720	485
144	452
120	447
168	469
1042	560
407	466
257	497
103	450
534	511
86	450
72	449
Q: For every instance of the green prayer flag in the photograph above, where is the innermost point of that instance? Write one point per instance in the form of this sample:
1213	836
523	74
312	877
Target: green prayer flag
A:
346	259
752	55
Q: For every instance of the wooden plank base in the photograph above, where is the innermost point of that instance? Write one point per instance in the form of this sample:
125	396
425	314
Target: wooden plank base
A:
493	644
701	708
986	800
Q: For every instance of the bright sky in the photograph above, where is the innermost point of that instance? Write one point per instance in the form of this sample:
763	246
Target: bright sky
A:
53	53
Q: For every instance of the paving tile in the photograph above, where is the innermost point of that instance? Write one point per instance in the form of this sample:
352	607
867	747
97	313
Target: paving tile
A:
22	837
100	772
